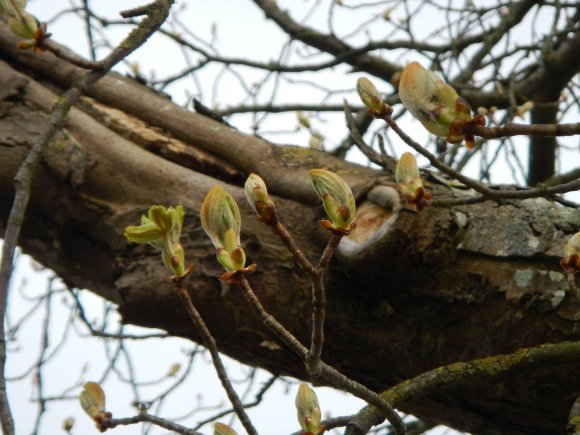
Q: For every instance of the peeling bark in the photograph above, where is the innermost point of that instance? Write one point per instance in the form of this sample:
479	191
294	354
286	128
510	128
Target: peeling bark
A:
432	288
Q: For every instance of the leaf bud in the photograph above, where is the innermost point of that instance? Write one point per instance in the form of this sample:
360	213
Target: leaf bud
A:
258	198
68	423
302	119
173	370
370	96
92	399
221	221
434	103
308	411
336	195
223	429
409	180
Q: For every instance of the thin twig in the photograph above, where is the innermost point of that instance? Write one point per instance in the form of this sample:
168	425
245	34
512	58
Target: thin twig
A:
331	375
513	129
211	345
144	417
313	362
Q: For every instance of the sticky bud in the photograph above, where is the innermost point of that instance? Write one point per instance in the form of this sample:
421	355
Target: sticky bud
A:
258	198
302	119
371	97
161	228
92	399
68	423
308	411
223	429
337	197
173	370
434	103
571	260
221	221
409	180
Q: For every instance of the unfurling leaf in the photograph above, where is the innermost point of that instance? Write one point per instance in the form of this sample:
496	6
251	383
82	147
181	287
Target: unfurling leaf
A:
161	228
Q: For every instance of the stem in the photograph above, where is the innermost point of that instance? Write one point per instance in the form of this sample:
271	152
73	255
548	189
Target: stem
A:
211	345
313	363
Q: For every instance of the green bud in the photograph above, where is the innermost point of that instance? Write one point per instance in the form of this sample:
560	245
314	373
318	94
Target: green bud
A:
370	96
336	196
407	175
161	228
223	429
257	196
308	409
92	399
221	221
434	103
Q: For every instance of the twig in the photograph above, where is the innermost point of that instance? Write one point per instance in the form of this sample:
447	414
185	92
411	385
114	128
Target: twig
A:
328	373
257	400
211	345
513	129
313	362
144	417
23	178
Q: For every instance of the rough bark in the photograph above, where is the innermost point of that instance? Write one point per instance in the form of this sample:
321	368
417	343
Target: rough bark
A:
424	290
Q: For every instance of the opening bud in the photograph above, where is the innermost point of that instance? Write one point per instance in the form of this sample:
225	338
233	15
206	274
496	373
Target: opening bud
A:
223	429
409	180
221	221
336	196
173	370
371	97
92	399
161	228
434	103
257	196
308	411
